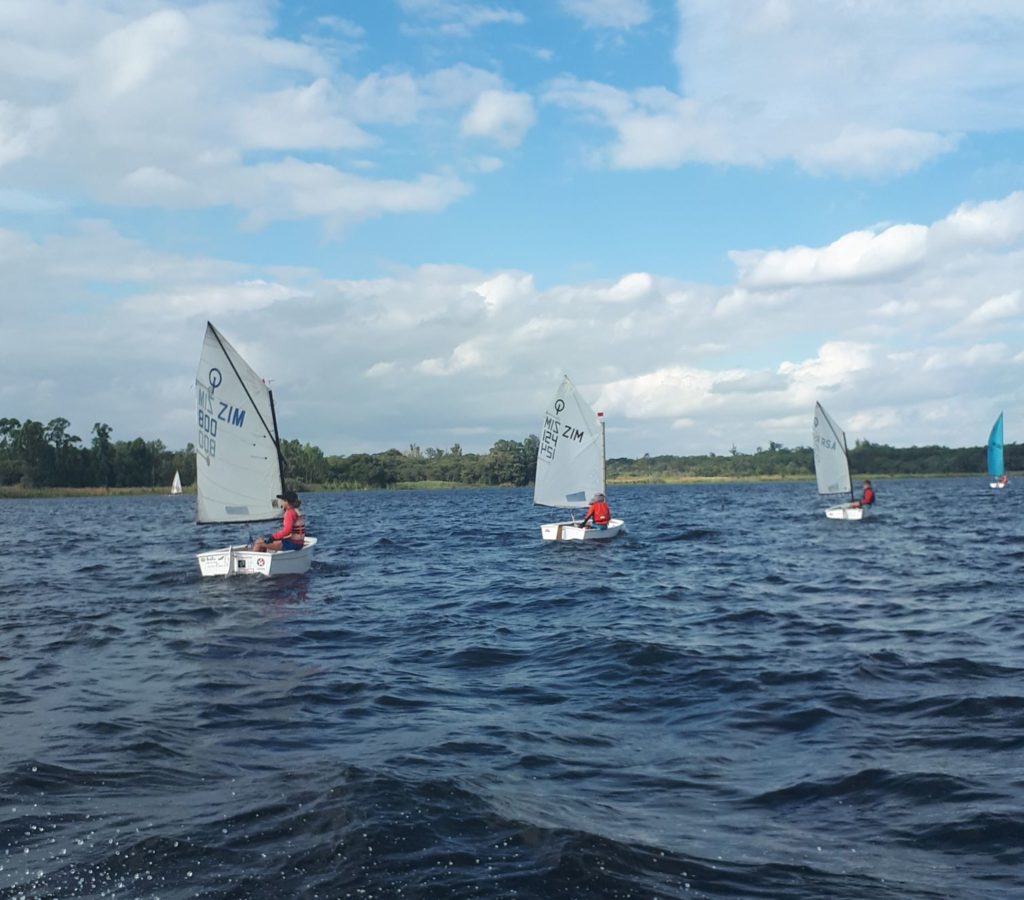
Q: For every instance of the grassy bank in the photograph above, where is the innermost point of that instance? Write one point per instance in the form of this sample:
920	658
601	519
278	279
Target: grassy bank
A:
17	492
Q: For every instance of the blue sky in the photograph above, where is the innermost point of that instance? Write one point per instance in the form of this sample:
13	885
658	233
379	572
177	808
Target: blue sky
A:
412	216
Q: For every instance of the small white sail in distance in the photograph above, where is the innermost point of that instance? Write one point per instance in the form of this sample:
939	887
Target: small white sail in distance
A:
176	483
570	457
831	464
238	466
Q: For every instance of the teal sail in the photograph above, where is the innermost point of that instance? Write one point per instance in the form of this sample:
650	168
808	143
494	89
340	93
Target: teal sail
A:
995	450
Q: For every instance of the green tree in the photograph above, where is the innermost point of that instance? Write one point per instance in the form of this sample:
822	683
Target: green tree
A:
102	458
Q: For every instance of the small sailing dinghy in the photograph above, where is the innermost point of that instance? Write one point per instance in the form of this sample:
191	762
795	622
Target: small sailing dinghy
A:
239	471
176	484
570	465
832	465
996	467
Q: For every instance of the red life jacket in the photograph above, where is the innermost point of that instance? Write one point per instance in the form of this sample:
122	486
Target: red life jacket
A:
297	531
869	497
600	513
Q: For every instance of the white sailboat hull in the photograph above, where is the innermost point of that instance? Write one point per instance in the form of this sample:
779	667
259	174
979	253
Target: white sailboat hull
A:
240	560
847	513
571	531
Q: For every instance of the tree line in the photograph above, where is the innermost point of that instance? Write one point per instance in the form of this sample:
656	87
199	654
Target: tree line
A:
33	455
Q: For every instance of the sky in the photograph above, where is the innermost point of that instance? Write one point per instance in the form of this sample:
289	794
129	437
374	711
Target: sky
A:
412	217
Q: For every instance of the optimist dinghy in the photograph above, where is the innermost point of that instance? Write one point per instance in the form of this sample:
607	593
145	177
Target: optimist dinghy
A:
832	466
239	470
570	465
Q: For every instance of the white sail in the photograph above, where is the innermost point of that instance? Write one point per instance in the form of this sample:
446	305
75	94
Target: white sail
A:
238	469
570	459
831	465
176	484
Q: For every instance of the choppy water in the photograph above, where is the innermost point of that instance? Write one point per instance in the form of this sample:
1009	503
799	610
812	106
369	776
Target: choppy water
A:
739	698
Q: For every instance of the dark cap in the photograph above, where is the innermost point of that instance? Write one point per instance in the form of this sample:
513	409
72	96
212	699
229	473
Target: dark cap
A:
291	497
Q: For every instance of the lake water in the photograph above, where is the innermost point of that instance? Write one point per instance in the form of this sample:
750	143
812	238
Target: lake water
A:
738	698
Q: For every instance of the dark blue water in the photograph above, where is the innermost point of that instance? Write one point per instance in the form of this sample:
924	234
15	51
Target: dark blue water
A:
739	698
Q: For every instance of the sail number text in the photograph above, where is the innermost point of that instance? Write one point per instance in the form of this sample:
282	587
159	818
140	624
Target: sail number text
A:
210	412
550	434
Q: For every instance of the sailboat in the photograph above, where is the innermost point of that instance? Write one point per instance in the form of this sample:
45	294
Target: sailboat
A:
832	465
239	471
996	468
570	465
176	484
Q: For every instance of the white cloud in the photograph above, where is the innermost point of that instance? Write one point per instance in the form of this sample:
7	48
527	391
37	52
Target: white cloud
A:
165	106
468	356
502	116
996	309
609	13
293	189
343	27
299	117
129	57
679	367
860	255
212	301
459	18
381	370
874	151
24	131
505	289
861	89
990	224
631	288
835	363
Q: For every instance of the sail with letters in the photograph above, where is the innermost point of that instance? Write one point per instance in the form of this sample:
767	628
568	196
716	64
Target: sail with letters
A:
239	470
831	464
570	459
570	464
238	464
996	466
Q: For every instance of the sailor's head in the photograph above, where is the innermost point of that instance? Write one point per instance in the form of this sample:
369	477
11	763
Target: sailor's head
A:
290	497
597	498
867	483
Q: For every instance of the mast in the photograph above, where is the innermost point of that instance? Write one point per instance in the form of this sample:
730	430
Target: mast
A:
846	456
277	438
604	480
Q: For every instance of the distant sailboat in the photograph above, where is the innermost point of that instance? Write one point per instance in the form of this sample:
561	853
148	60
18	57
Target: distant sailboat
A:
238	460
996	468
570	465
176	484
832	465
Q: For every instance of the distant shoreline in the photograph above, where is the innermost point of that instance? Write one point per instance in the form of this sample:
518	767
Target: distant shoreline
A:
15	492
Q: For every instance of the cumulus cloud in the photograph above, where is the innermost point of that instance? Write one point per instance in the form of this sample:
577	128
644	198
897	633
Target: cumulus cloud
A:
996	309
506	288
24	131
881	254
654	127
860	255
502	116
207	105
460	18
294	189
299	117
860	89
874	151
992	223
477	352
609	13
